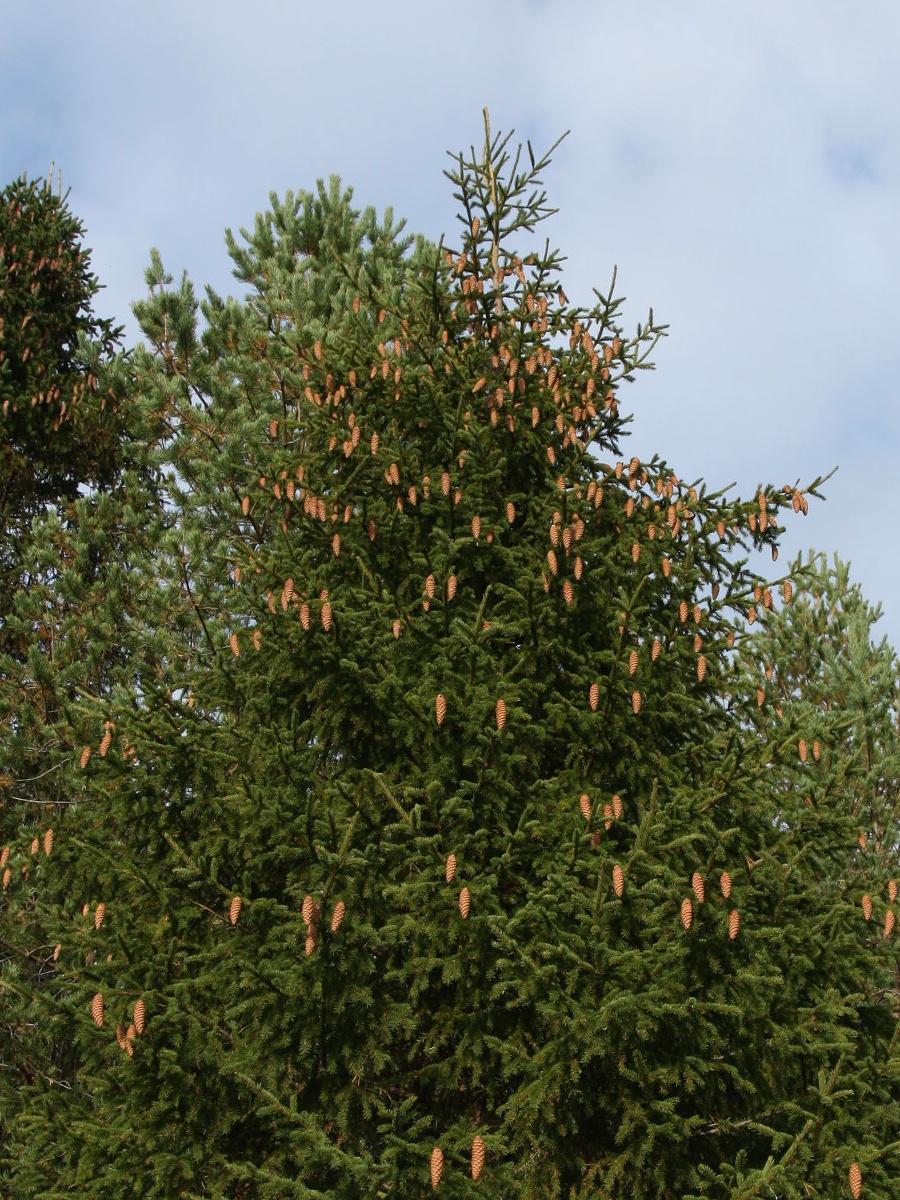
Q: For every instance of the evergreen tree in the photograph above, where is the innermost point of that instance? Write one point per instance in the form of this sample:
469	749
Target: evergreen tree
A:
59	428
76	508
435	844
816	667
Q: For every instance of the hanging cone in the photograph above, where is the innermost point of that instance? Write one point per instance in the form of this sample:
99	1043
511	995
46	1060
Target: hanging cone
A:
636	701
140	1016
234	910
801	747
607	816
578	566
632	662
4	856
889	922
450	868
476	526
760	697
552	563
701	667
287	594
817	751
617	807
698	887
584	804
734	923
594	696
855	1177
465	902
687	912
105	743
666	566
788	591
326	616
440	708
99	914
477	1156
500	713
892	891
635	551
308	910
97	1008
451	587
310	944
568	591
725	884
85	755
683	611
7	875
257	639
121	1038
437	1166
618	879
430	584
340	911
510	512
336	544
655	649
35	845
235	645
304	616
396	627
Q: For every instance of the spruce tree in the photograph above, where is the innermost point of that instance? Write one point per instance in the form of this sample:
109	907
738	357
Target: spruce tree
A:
76	507
436	845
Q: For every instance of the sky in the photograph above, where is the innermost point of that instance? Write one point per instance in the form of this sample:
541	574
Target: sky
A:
739	163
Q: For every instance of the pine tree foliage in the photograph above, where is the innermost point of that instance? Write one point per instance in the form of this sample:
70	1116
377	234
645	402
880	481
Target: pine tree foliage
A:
826	715
59	427
438	842
77	511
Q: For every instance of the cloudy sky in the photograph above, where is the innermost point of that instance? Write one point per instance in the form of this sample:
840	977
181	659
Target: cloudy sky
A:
739	162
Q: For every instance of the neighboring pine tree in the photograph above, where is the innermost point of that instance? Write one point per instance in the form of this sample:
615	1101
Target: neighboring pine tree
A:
75	510
436	843
58	428
816	667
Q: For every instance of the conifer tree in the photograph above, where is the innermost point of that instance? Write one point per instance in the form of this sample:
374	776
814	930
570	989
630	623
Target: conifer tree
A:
75	507
59	428
436	847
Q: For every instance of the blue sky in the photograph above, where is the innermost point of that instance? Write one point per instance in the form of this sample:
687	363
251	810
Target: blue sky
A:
740	163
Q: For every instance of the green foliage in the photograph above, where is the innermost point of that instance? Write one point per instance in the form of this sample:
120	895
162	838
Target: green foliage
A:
59	427
427	797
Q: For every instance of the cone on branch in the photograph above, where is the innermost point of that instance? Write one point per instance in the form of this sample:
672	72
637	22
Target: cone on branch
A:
854	1176
436	1166
478	1154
